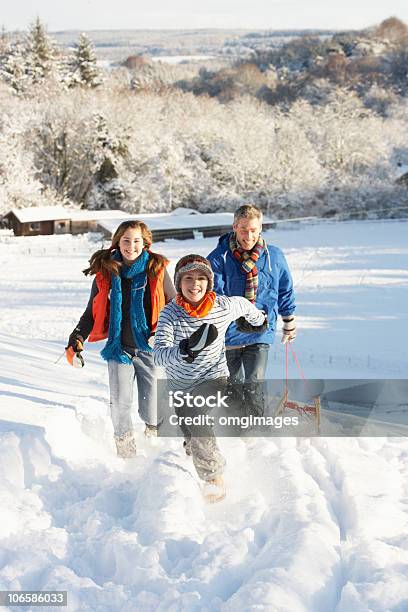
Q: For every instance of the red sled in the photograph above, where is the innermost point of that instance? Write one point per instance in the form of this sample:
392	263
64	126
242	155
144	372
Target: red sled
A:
303	408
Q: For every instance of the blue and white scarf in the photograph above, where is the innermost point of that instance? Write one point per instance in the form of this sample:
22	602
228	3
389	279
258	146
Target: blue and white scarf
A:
140	329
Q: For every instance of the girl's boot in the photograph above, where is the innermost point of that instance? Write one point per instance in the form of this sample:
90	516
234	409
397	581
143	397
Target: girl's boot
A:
126	445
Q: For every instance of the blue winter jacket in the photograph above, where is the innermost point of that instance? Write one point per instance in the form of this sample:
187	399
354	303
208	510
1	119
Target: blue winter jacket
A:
274	296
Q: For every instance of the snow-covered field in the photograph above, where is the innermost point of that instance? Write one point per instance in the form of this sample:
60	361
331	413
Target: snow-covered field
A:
309	524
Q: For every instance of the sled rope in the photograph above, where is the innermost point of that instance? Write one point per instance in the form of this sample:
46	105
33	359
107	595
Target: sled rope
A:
299	367
302	408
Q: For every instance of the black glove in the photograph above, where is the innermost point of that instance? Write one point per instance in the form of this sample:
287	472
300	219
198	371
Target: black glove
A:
76	341
198	341
74	349
244	326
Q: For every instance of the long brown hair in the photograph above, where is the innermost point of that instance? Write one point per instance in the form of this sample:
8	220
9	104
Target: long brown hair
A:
101	261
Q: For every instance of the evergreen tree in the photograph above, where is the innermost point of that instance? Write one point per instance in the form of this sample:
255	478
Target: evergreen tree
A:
4	38
42	56
29	60
13	65
84	70
108	189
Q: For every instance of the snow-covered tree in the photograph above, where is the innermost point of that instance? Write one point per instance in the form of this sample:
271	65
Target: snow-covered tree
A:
13	65
30	60
41	53
350	136
83	69
4	38
19	185
109	189
157	150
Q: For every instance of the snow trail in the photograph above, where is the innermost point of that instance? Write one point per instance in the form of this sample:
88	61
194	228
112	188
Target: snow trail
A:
308	524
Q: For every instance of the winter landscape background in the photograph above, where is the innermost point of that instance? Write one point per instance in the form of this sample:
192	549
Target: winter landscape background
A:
308	525
308	124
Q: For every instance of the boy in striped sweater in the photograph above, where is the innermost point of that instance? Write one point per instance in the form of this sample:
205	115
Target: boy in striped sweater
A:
189	343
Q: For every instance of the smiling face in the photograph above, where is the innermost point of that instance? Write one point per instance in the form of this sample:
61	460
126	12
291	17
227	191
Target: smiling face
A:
131	245
193	286
247	232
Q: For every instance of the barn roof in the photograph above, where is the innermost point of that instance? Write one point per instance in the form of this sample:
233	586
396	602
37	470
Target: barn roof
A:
41	213
55	213
168	221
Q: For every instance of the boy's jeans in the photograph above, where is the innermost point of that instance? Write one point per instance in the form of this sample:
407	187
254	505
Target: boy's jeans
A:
122	377
207	458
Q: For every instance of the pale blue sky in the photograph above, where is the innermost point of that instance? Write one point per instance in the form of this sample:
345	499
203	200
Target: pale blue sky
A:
253	14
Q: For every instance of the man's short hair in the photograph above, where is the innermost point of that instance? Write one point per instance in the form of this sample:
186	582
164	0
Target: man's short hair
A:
248	211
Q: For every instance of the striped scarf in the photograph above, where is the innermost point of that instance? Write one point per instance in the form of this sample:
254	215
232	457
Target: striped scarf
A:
248	261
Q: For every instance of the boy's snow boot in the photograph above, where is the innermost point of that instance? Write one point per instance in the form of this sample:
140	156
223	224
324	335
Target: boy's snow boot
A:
126	445
214	490
150	431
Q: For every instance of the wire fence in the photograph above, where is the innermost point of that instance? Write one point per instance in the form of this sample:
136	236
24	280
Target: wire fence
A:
356	363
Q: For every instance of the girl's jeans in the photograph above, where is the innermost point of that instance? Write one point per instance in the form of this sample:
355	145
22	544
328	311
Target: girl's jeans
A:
122	377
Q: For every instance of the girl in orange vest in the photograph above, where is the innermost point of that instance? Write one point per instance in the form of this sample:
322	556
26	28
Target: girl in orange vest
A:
130	288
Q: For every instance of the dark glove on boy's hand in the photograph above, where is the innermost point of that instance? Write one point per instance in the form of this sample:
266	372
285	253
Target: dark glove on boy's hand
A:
198	341
244	326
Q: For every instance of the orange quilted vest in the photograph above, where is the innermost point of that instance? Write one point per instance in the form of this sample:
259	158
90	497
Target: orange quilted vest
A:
100	304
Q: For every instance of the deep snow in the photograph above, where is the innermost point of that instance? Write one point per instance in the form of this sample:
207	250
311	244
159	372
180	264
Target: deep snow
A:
309	524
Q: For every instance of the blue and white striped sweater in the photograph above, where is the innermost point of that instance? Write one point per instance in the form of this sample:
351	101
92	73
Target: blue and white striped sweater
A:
175	324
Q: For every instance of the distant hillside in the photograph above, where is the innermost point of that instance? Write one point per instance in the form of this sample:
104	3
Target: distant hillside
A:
280	69
116	45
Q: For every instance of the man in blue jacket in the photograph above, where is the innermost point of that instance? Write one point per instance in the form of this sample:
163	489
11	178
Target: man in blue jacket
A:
245	265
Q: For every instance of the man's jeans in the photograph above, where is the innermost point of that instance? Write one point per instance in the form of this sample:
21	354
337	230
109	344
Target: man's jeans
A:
122	377
247	366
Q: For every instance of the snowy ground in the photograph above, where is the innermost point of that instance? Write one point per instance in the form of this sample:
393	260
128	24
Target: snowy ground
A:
309	524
